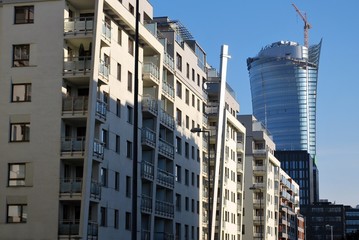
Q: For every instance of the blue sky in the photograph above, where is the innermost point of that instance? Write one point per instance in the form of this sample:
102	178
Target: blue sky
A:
247	26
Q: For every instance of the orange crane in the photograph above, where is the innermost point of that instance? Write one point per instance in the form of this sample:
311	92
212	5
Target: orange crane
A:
307	25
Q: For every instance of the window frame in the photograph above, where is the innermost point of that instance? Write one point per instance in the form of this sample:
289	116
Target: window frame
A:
27	92
25	137
22	212
27	16
21	62
18	178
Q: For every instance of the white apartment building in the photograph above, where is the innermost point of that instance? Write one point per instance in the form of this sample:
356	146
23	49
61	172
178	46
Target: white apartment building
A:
261	183
67	117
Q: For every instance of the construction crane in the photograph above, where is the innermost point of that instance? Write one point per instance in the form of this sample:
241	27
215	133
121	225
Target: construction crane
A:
307	25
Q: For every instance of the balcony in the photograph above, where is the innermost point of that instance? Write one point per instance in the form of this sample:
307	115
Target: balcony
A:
240	147
73	146
165	178
148	137
145	234
169	62
98	149
259	169
146	204
212	109
260	152
69	227
101	109
76	26
239	167
104	70
95	190
70	187
205	120
77	66
167	120
147	170
164	209
149	105
166	149
168	91
92	229
106	31
151	74
164	236
74	106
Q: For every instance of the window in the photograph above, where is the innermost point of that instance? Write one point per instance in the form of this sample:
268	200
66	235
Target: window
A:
128	186
131	9
16	175
16	213
187	96
186	149
193	101
118	144
117	181
128	221
192	179
179	89
103	221
186	177
193	75
129	114
193	206
119	36
129	81
118	108
187	122
24	15
130	46
178	172
179	117
21	92
21	55
129	150
106	100
118	72
198	106
104	177
178	202
179	145
187	70
20	132
179	62
104	138
116	219
187	204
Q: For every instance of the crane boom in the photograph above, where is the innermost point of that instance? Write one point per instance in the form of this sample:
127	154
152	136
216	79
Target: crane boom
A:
307	25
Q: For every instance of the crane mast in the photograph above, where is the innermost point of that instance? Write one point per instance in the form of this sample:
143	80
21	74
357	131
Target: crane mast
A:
307	25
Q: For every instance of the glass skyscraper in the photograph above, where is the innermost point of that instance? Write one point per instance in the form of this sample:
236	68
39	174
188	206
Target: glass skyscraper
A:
283	79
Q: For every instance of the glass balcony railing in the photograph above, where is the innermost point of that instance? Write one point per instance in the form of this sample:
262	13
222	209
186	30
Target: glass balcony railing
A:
106	31
147	170
95	190
168	90
92	229
165	209
69	227
205	120
98	148
79	25
166	149
150	105
151	71
148	137
70	186
101	109
77	65
169	61
165	178
75	104
167	120
104	69
73	144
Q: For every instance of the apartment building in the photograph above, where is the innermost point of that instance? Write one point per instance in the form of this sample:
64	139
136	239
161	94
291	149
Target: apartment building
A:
261	182
67	116
226	146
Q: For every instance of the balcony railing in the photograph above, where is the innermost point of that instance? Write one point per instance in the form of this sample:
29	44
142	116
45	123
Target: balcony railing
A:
77	65
70	186
167	120
73	145
150	105
239	167
165	178
106	31
82	25
240	146
69	227
104	69
260	168
259	151
75	104
148	137
166	149
147	170
165	209
92	229
169	61
95	190
146	234
168	90
98	148
146	204
150	71
101	109
164	236
205	120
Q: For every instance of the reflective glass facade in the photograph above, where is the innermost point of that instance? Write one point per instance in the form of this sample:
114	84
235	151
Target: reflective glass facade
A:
283	79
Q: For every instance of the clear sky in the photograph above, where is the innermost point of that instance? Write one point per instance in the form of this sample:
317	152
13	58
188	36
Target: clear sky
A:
247	26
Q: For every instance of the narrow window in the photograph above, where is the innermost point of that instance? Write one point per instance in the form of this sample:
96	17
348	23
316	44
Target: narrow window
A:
118	108
128	221
129	150
116	219
130	114
128	186
118	144
129	81
118	72
179	62
117	181
130	46
103	222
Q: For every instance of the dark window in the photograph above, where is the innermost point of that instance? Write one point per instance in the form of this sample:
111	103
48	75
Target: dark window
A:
129	81
179	62
16	175
129	114
179	117
21	92
186	177
128	221
128	186
186	149
19	132
179	89
16	213
130	46
24	14
104	177
118	108
118	144
21	55
129	149
116	219
119	36
118	71
178	202
104	138
117	181
179	145
131	9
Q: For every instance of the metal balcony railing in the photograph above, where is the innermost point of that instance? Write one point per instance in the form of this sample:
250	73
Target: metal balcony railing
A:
92	229
148	137
168	90
165	209
98	148
151	71
167	120
164	236
169	61
75	104
95	190
101	109
70	185
149	104
165	178
146	204
147	170
205	120
166	149
77	65
73	144
81	25
69	227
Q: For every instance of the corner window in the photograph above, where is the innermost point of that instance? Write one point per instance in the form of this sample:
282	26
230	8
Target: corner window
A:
19	132
16	213
16	176
24	15
21	92
21	55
